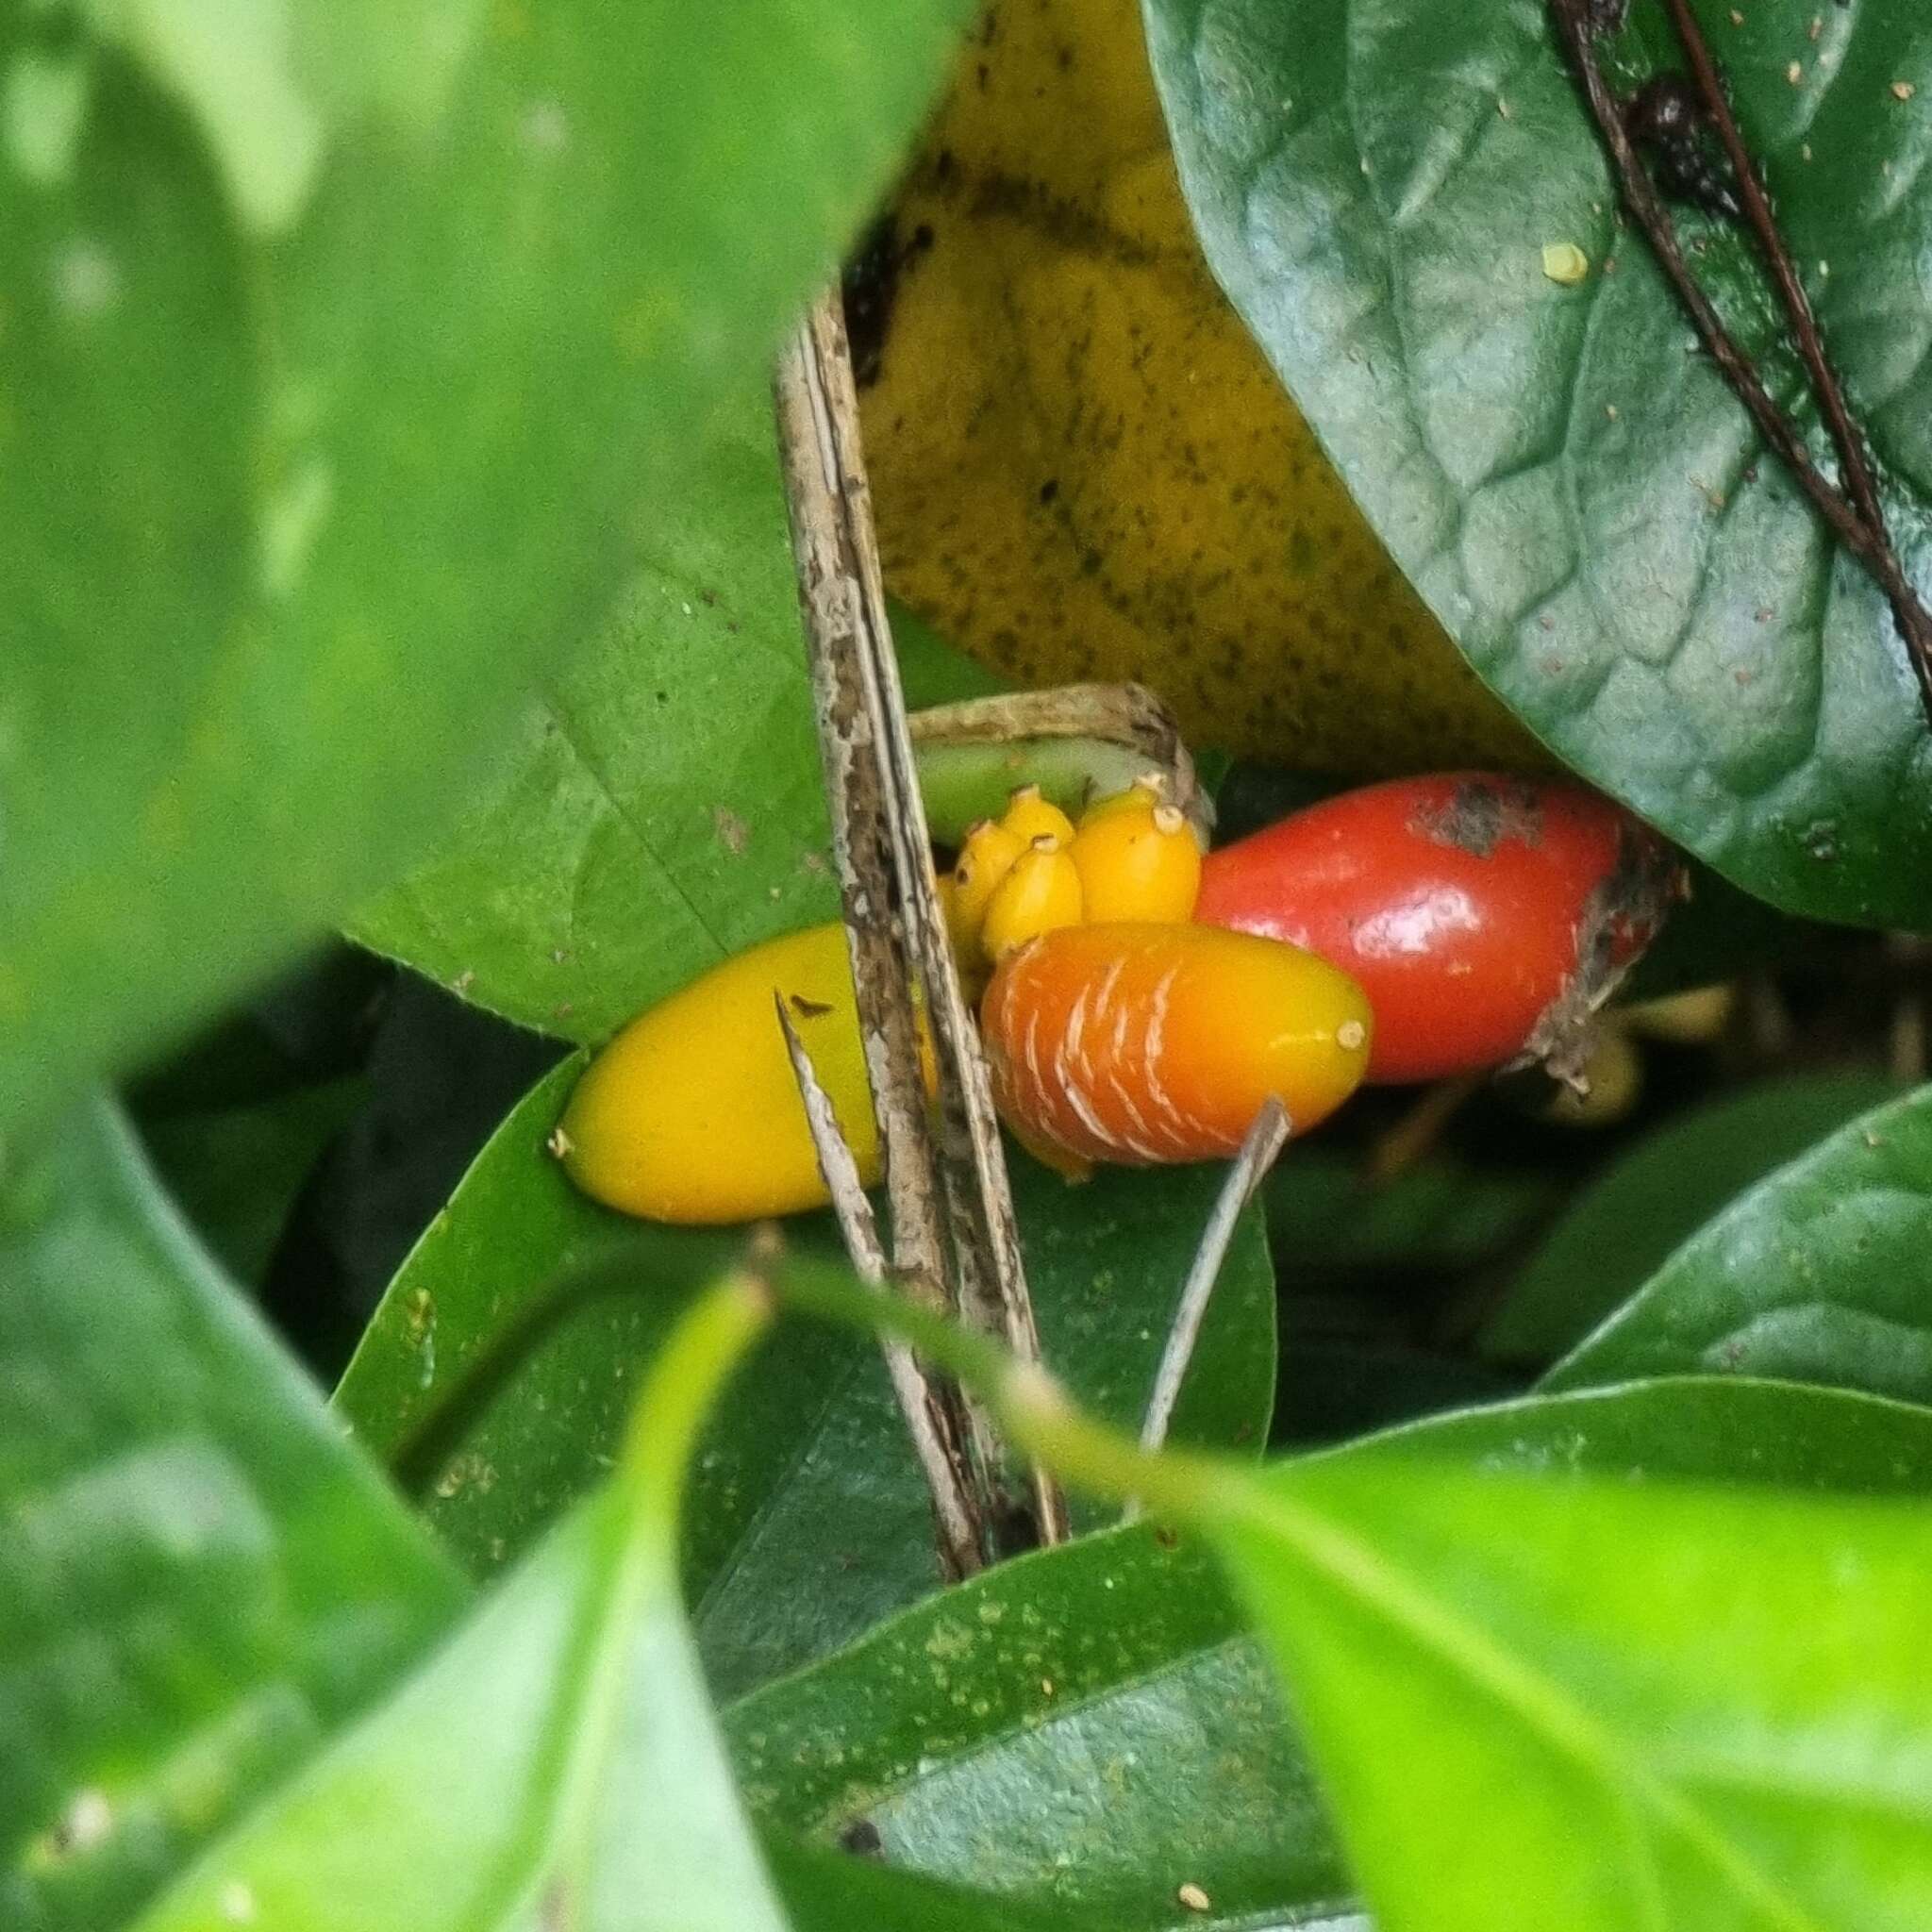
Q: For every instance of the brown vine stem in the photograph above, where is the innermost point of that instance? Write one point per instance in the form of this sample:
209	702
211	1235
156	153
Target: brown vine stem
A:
958	1200
1854	464
1867	539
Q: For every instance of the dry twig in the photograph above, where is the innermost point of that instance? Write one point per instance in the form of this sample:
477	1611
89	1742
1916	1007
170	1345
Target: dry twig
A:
928	1422
1265	1139
884	866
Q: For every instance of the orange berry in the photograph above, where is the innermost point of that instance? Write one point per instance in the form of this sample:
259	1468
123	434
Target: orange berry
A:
1145	1045
1138	861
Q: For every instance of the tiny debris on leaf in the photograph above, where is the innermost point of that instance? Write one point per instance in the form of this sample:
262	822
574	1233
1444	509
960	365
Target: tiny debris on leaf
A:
1564	262
559	1143
1795	72
733	833
1193	1897
1903	90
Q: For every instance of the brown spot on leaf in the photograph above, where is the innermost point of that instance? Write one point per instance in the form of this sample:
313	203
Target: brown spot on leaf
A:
731	830
806	1010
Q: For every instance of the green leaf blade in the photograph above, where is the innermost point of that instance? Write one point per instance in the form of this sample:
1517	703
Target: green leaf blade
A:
1595	1702
332	495
662	806
1582	502
1094	1725
1814	1274
201	1579
1651	1201
555	1763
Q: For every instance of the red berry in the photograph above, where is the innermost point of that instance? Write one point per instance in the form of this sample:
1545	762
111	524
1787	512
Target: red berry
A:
1486	918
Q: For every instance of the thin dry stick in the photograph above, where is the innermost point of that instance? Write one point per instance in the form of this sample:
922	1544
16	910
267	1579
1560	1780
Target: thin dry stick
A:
972	1169
1650	214
927	1422
1265	1139
831	595
1913	620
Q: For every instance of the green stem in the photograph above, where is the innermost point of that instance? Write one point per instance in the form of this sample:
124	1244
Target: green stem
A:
1031	1408
706	1346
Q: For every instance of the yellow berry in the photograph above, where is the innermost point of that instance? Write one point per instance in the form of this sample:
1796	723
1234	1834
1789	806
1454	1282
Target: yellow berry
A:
692	1113
1612	1084
984	860
1147	790
1041	893
1136	863
1683	1018
1028	816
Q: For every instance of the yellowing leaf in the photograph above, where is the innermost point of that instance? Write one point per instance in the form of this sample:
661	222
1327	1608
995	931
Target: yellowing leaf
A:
1082	465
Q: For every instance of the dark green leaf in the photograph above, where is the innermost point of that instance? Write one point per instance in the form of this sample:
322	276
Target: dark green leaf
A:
235	1173
1653	1199
1818	1274
1576	492
296	494
661	808
497	1400
663	805
555	1763
829	1892
1095	1723
500	1402
1600	1706
830	1528
1440	1213
198	1580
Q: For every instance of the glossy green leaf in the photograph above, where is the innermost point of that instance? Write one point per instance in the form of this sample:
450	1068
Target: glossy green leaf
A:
1574	491
1600	1707
830	1892
1625	1226
500	1402
1815	1274
555	1763
663	805
294	498
198	1579
1096	1724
